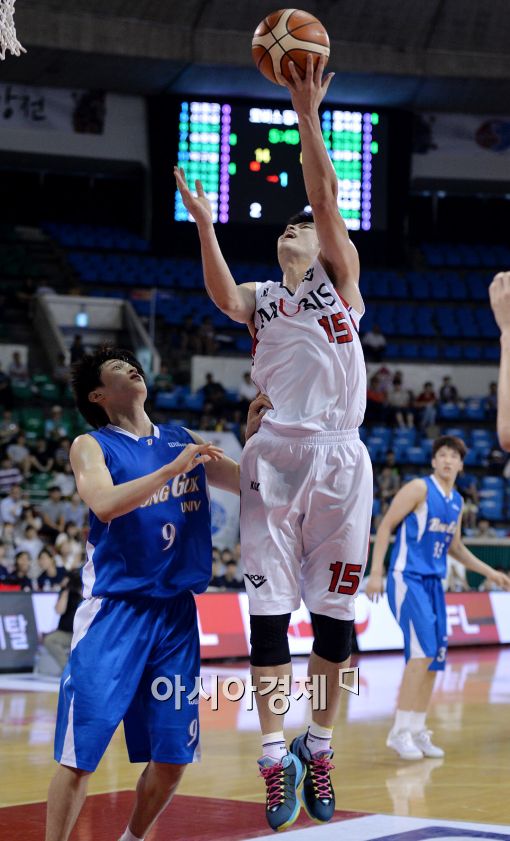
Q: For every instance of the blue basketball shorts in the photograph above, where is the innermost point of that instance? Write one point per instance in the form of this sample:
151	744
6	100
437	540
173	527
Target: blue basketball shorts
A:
418	604
136	662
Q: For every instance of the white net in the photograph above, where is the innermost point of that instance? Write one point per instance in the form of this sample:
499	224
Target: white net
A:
8	39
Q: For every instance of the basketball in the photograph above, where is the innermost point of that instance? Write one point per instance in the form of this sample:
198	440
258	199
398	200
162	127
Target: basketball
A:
288	35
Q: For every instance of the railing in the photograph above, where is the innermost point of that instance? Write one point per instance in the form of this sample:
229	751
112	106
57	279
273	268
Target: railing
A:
98	320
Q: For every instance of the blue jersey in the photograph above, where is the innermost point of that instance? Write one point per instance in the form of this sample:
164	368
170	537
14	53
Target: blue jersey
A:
423	537
163	547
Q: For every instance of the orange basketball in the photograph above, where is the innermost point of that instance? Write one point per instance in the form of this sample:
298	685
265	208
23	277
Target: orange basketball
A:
288	35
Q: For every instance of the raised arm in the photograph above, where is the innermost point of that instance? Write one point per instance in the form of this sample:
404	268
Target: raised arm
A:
337	253
106	500
238	302
406	500
499	292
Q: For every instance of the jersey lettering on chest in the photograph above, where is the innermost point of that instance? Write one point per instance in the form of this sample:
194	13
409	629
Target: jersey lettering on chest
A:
444	520
436	525
180	486
316	299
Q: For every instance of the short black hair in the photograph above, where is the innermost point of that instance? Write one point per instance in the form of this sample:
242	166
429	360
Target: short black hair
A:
86	376
301	217
451	441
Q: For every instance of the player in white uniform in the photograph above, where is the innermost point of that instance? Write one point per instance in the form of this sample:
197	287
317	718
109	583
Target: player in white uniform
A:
306	478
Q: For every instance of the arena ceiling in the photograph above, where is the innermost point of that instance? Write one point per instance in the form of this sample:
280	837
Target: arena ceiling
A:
449	55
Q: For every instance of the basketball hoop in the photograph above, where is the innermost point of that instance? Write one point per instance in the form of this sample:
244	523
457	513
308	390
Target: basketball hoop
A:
8	40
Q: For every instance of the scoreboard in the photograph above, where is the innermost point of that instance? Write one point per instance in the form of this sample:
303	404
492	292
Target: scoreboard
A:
248	157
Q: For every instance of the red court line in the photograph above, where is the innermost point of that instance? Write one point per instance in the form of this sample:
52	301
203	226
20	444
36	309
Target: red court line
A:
104	818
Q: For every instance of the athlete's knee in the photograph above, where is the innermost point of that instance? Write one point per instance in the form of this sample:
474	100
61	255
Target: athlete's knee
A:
74	777
269	640
332	637
168	773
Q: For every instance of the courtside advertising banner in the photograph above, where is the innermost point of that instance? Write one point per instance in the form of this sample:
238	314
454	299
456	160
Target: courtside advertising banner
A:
18	632
222	626
224	622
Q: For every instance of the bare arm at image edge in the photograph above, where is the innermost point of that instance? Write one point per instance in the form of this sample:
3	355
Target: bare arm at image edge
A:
499	292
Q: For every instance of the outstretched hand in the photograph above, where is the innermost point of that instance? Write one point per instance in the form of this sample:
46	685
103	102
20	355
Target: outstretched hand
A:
308	93
499	292
194	454
198	205
375	587
502	580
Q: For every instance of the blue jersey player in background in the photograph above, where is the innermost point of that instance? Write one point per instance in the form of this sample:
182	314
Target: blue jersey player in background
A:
149	550
428	514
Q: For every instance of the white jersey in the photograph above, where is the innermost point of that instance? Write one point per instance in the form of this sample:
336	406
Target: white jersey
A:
308	357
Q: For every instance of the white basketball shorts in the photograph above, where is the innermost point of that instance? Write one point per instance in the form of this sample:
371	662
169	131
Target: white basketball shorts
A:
306	506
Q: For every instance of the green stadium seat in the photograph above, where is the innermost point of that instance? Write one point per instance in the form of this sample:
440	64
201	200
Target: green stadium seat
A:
21	392
40	379
49	391
38	487
40	480
32	423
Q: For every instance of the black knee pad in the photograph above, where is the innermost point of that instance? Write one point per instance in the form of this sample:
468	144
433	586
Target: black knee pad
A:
269	641
332	637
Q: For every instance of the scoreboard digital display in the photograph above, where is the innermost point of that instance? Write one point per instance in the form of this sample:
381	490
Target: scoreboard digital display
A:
248	157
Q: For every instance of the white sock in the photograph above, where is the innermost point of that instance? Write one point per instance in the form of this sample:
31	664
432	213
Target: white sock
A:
128	836
318	738
418	722
403	719
273	745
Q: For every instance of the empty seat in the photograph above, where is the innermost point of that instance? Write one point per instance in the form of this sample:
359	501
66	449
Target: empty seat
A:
490	510
382	432
168	399
195	402
448	411
405	437
493	483
475	408
417	455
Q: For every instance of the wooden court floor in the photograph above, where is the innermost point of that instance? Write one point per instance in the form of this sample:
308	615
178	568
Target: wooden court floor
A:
470	719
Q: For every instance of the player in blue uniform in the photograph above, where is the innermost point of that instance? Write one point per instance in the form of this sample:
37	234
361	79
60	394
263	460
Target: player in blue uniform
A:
428	514
149	550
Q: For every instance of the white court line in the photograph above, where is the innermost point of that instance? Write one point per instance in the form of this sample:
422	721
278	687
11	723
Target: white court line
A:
373	827
28	683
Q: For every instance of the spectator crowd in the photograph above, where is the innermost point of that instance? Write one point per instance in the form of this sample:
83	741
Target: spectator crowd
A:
43	526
